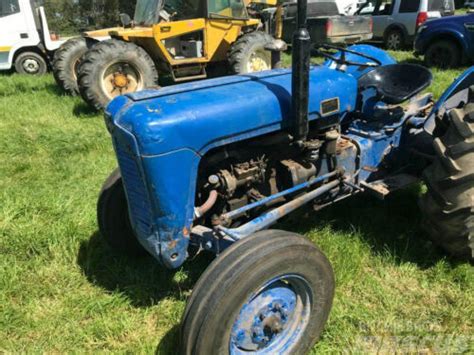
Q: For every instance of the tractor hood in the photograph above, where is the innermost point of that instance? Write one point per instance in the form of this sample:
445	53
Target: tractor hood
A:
202	115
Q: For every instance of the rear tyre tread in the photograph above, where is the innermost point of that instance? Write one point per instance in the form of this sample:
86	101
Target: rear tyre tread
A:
69	51
448	206
239	51
89	88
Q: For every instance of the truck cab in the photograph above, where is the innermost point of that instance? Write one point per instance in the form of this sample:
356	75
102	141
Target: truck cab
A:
25	41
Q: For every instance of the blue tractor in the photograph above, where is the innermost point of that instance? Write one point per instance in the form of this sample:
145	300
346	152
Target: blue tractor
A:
212	165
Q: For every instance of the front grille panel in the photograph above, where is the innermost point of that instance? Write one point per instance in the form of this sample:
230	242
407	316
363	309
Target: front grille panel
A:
139	204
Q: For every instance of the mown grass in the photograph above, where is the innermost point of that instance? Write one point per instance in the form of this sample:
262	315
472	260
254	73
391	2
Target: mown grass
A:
63	290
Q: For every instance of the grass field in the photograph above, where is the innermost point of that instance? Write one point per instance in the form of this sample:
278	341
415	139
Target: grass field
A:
63	290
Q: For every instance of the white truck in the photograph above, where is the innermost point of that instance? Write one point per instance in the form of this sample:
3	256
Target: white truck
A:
25	41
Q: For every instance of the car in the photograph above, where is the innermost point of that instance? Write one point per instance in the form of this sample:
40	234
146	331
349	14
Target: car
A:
446	42
396	21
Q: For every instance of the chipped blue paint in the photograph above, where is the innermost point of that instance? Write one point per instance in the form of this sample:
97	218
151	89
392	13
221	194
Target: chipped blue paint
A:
273	319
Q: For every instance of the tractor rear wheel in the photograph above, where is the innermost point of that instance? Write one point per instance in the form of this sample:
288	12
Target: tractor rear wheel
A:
112	68
270	293
66	63
113	219
248	53
448	206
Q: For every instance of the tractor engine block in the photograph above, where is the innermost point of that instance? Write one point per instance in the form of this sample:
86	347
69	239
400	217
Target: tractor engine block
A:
236	175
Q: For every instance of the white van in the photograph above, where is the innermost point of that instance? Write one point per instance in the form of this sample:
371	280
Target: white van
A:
397	21
25	41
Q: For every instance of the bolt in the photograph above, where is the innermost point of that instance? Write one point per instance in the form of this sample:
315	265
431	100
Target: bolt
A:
208	245
213	179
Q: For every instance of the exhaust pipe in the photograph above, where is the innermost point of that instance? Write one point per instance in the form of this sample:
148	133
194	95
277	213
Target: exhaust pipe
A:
300	74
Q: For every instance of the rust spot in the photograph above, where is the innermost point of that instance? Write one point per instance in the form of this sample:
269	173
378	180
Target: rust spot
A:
172	244
185	232
370	168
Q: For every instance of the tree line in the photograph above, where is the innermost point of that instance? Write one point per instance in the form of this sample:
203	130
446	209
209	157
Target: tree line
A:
68	17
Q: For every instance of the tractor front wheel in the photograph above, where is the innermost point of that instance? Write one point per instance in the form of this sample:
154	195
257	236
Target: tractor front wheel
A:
248	53
113	219
112	68
270	293
448	206
66	63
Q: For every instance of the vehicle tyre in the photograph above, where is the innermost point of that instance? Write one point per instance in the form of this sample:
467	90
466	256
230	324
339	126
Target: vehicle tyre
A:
66	63
112	68
443	54
270	292
248	54
31	63
394	40
113	219
448	205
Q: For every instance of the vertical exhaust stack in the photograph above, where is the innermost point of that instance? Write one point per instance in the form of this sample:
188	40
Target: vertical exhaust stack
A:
300	74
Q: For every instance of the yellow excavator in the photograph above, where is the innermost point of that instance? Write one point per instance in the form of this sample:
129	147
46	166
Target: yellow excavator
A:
182	39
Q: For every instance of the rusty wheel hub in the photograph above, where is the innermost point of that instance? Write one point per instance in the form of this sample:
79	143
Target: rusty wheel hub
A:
120	80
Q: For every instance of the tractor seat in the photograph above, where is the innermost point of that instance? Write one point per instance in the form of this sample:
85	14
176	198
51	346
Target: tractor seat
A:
396	83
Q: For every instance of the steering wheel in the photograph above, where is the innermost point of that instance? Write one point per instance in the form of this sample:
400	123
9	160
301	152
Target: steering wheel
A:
342	59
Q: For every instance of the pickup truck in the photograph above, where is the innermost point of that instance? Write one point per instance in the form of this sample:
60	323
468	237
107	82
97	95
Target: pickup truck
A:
325	23
446	42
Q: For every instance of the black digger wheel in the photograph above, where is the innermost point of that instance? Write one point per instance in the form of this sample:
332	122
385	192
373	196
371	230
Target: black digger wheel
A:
31	63
448	206
112	68
113	219
269	293
248	54
443	54
66	63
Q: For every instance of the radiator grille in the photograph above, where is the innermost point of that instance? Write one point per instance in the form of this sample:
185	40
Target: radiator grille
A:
137	196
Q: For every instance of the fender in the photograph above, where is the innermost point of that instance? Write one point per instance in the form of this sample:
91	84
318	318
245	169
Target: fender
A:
453	34
458	92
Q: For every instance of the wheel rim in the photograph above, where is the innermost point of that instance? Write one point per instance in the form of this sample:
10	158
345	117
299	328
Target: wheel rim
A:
441	57
274	319
394	41
31	65
121	78
259	60
75	67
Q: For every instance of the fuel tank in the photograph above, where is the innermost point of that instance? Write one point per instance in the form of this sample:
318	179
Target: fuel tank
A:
202	115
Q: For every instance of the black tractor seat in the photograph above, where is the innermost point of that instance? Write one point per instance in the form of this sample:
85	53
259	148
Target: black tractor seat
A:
396	83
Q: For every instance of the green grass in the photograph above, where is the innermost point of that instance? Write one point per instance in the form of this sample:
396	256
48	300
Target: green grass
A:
63	290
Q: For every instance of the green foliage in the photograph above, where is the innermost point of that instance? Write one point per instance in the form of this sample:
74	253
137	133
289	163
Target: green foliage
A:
62	290
69	17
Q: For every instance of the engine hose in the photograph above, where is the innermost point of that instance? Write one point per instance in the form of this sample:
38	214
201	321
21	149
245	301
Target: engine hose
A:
206	206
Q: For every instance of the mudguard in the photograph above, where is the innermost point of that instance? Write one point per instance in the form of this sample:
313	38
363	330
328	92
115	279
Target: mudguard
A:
456	94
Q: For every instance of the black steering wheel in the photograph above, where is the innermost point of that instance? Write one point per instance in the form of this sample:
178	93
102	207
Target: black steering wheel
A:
323	50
